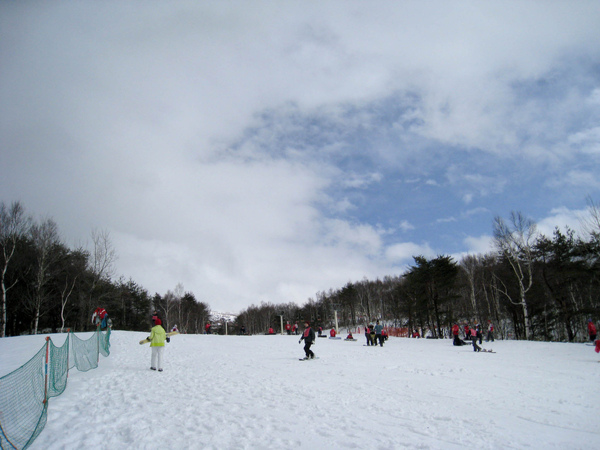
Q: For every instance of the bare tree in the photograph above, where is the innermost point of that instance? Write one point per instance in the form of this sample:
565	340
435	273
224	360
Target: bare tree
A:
591	223
101	262
13	225
515	242
45	239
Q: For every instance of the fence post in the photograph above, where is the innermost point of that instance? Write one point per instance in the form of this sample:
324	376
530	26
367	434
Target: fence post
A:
46	370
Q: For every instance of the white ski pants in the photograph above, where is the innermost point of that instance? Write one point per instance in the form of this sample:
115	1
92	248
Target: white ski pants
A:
157	357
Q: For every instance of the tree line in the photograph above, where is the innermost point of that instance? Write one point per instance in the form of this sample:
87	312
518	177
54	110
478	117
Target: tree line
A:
45	285
531	286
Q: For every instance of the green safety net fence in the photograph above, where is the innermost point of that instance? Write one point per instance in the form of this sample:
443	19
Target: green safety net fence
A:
24	393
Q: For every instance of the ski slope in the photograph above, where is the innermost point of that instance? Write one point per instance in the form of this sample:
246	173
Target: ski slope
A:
251	392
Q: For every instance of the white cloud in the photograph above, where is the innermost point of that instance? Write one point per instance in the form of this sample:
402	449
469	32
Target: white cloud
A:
403	253
152	122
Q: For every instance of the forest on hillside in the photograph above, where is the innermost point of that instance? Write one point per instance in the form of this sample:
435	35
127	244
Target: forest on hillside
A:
531	287
47	286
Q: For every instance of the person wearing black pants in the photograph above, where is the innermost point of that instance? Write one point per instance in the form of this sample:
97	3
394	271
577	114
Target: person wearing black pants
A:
309	338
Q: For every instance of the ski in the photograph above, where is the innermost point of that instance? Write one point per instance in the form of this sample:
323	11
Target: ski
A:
308	359
172	333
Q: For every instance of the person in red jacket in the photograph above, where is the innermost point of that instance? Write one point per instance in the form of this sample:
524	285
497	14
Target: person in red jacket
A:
207	328
288	328
309	337
592	330
100	317
332	333
457	339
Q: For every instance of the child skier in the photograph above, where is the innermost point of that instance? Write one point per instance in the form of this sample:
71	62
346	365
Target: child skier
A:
157	339
309	338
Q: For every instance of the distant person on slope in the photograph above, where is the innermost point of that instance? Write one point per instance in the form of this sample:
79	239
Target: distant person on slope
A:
332	333
309	337
476	348
592	330
457	339
490	335
368	334
378	330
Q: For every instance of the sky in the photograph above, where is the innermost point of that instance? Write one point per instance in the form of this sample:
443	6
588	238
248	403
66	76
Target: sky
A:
265	151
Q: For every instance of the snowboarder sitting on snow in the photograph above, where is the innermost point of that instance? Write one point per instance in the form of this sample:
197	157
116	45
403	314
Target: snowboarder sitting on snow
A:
349	335
457	339
332	333
157	339
309	338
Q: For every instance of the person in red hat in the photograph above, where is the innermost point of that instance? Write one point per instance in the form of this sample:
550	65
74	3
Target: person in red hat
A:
309	337
157	339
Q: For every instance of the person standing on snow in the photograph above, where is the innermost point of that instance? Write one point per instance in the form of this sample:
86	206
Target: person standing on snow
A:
490	335
592	330
368	334
100	317
309	337
378	329
157	339
476	348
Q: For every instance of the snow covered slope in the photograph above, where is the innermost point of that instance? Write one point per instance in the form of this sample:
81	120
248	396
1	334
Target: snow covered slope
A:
251	392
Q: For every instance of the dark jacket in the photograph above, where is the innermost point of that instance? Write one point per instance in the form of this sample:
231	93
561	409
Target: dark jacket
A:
308	335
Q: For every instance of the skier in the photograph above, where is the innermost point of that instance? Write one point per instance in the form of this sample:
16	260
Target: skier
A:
295	328
591	330
368	335
157	340
490	335
288	328
479	333
309	338
207	328
378	329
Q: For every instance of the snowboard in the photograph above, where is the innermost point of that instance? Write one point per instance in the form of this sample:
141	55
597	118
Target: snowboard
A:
483	350
145	341
304	359
330	337
349	339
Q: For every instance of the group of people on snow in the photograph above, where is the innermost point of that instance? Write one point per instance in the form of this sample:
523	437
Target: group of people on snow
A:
472	334
375	334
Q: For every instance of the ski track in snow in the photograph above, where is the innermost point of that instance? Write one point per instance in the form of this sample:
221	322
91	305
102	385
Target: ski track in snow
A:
251	392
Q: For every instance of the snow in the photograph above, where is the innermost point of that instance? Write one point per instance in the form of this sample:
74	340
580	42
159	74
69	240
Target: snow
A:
251	392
